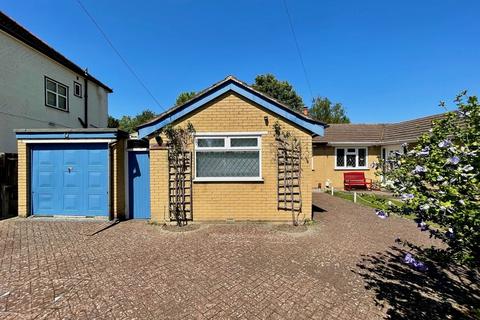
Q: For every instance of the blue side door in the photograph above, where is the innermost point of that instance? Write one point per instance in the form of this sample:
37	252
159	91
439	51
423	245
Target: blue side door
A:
139	184
70	179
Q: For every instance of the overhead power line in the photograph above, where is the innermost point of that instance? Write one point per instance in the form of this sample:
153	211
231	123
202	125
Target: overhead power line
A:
298	48
129	67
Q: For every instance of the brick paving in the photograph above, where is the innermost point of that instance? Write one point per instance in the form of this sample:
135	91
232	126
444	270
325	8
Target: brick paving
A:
51	269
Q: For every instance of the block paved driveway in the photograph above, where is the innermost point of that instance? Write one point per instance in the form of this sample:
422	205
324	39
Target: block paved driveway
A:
56	270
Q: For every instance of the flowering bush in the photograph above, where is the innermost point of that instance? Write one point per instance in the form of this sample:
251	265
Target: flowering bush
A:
438	179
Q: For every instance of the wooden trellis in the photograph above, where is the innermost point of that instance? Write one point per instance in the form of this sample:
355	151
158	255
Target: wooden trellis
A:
289	159
180	186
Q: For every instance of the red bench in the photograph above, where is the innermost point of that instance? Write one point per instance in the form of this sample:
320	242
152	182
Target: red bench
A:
356	179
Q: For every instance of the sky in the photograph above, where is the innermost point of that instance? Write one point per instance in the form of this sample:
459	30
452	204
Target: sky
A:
385	61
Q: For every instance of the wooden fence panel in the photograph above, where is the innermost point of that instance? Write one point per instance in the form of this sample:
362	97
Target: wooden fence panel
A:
8	184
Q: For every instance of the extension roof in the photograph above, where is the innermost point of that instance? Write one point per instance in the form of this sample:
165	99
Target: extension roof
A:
377	134
11	27
230	84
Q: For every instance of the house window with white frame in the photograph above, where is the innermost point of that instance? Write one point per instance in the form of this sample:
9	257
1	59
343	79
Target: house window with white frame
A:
351	158
77	89
56	94
228	158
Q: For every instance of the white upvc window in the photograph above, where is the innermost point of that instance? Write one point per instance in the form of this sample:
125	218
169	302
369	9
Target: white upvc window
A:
56	94
351	158
77	89
228	157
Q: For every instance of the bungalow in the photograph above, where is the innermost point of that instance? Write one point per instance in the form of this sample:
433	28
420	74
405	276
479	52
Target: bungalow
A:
355	147
234	169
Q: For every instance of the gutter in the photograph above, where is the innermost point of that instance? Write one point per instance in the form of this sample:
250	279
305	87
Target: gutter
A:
365	143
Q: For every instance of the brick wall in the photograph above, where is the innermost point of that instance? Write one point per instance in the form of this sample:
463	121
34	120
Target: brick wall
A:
234	200
324	166
117	179
23	179
159	184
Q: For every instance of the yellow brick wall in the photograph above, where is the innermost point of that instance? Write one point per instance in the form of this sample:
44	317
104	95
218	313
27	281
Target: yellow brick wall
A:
324	166
23	179
159	184
117	179
256	201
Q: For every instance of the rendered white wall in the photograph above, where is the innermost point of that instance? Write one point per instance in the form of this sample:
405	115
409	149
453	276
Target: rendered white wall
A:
22	93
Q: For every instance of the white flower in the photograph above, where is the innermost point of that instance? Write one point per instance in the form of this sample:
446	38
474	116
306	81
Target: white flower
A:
445	143
407	196
425	207
388	183
419	169
424	152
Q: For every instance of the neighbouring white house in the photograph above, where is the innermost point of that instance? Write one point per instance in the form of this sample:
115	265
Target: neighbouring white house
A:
41	88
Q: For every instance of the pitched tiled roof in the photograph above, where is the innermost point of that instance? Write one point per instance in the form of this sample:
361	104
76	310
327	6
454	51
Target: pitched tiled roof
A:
409	130
200	94
11	27
230	83
347	132
382	133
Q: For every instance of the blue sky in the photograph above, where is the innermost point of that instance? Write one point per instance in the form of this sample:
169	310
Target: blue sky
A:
383	60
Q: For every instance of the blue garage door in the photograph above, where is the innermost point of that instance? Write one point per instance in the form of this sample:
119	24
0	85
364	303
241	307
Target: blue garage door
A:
139	184
70	179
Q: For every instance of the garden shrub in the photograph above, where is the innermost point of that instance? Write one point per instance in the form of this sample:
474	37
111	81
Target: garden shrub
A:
438	179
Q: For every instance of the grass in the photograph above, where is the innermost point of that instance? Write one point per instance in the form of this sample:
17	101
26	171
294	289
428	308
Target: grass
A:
371	200
366	199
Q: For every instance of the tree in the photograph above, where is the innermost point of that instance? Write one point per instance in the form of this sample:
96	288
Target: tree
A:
129	124
184	97
113	122
279	90
438	179
324	110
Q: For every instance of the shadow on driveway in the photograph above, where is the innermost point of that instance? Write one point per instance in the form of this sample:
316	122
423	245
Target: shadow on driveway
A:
442	292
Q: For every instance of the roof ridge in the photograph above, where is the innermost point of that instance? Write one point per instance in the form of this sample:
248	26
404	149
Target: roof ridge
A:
219	83
437	115
228	85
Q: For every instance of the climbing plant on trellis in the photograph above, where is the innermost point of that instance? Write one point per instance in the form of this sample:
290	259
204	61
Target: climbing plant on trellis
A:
180	173
289	160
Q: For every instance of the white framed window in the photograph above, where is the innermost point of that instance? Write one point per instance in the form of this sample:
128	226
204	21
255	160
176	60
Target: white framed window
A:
351	158
56	94
391	152
228	157
77	89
